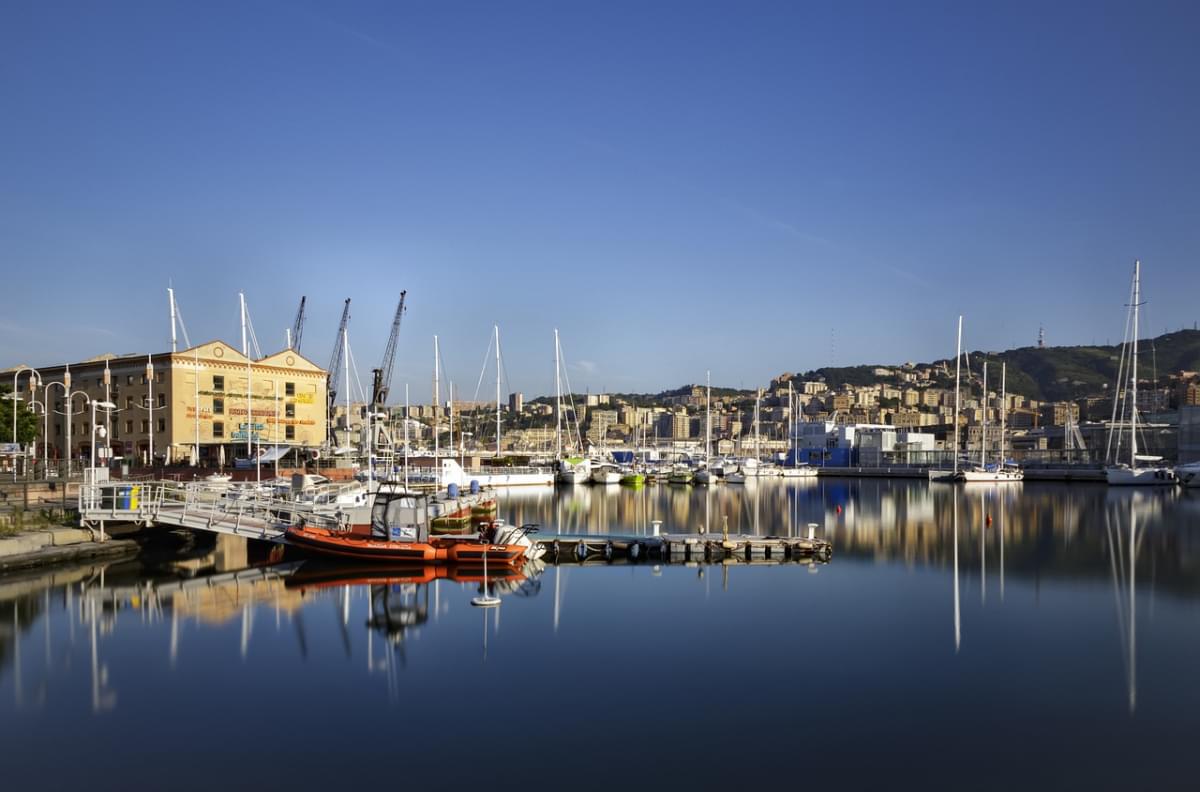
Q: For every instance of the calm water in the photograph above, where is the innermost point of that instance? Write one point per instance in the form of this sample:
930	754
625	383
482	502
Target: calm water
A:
1052	640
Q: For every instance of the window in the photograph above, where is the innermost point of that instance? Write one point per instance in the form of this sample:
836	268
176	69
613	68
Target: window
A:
128	379
162	425
289	432
145	426
158	377
129	427
289	410
128	402
218	383
162	400
289	389
58	430
218	429
218	406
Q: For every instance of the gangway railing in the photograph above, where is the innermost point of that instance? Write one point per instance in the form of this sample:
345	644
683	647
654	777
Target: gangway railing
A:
249	512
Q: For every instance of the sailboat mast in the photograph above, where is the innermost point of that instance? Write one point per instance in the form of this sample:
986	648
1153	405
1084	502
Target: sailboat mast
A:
557	399
437	396
708	417
983	437
171	299
1004	409
246	352
957	368
497	328
757	439
1137	294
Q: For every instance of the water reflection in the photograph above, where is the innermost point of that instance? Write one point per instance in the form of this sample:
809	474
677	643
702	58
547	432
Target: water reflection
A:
242	604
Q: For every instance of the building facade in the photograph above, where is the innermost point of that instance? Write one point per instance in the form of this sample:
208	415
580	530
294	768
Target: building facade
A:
210	400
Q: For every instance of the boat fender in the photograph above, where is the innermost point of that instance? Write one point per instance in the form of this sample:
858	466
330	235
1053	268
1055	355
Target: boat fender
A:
556	548
581	551
635	550
608	551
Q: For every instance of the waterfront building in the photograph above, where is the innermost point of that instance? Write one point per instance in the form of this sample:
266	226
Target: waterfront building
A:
516	403
1059	413
203	399
598	425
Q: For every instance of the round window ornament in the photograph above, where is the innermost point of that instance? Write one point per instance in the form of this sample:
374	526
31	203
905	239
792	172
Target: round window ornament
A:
291	361
218	352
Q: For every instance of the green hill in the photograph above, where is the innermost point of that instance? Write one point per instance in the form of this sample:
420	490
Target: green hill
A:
1057	373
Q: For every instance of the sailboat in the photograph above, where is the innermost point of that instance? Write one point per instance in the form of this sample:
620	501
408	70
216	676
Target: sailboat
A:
1000	473
1142	469
796	469
573	469
952	475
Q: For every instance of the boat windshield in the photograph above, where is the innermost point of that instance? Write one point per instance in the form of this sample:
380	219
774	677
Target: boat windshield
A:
398	518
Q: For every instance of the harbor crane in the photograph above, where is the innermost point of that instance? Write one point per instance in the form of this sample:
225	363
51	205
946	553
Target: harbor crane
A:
298	325
381	379
335	364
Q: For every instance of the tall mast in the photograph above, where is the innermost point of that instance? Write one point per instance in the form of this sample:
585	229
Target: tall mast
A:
497	328
171	299
957	367
983	437
1004	409
1137	294
792	423
757	439
249	384
437	397
708	418
557	397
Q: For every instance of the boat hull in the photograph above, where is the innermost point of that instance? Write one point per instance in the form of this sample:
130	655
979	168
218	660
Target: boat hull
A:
445	550
1140	477
1189	475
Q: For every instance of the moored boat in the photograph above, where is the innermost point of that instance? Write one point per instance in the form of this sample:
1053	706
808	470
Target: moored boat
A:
395	529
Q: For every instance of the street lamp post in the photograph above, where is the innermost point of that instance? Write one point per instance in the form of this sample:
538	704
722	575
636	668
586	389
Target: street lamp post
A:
108	406
70	414
15	398
46	418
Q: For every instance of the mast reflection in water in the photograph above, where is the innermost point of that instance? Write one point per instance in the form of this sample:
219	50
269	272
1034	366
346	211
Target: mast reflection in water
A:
649	665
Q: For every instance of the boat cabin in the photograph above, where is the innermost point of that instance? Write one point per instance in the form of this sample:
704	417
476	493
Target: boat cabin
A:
399	515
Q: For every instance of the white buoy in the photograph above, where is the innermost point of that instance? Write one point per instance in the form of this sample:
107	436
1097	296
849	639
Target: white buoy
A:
487	600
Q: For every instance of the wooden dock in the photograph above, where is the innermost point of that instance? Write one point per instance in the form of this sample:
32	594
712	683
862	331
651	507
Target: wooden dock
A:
709	548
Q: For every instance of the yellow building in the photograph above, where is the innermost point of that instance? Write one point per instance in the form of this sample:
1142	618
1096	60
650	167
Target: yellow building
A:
195	399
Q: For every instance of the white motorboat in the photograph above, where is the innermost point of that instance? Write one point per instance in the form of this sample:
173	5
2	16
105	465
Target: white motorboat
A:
704	476
606	473
574	470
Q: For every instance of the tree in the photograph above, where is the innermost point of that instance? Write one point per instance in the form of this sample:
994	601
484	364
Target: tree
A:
27	420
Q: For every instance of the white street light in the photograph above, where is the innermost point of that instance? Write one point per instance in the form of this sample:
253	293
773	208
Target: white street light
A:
102	431
70	414
15	398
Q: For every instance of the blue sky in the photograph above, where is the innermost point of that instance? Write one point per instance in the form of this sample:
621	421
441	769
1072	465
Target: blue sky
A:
746	187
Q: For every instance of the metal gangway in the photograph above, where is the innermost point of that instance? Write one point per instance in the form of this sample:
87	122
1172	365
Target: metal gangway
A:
253	512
